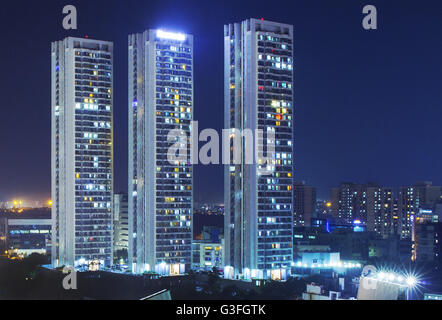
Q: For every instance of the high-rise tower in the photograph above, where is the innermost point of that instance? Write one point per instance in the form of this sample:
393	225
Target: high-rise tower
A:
160	192
258	95
82	151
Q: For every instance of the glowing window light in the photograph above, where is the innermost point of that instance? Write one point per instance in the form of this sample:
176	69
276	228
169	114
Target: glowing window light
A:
171	35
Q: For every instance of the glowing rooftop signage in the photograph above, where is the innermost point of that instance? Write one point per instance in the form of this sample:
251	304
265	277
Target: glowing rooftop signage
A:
171	35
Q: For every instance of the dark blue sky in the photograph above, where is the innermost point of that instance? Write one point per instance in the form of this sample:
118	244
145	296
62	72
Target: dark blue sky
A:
367	103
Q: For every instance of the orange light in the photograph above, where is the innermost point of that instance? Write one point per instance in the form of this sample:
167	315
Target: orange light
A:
328	204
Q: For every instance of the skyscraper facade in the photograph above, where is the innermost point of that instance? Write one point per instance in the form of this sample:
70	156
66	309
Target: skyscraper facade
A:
82	151
258	95
160	192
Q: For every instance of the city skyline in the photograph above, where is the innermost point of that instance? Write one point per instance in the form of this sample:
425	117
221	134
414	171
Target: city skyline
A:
392	128
189	150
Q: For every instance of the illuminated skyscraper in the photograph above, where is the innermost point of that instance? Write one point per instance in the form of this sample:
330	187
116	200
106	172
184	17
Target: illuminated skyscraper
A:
258	95
82	151
160	192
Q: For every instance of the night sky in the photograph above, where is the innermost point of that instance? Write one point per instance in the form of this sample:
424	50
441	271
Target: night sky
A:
367	103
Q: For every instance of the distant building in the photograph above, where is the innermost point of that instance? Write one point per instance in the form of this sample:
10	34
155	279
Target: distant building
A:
349	202
208	252
380	211
352	246
392	249
428	243
351	243
369	204
411	199
408	207
323	209
208	255
304	201
25	233
121	222
396	218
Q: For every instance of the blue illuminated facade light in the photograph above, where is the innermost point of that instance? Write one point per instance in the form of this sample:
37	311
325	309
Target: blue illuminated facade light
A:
170	35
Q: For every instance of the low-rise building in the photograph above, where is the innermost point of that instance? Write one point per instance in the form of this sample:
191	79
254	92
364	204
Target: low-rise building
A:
208	251
317	292
27	232
428	243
